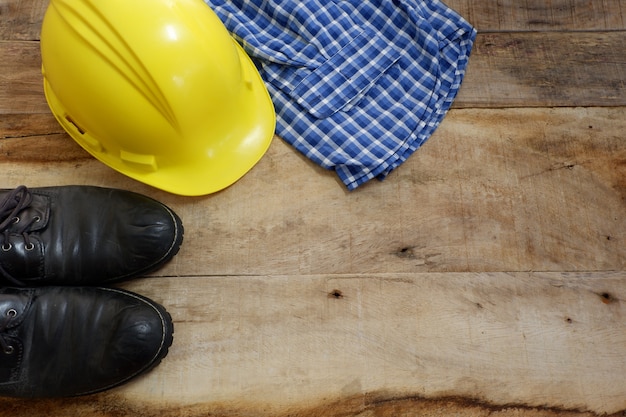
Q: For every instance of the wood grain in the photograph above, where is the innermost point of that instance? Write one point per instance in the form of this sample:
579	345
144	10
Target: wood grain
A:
21	83
492	190
20	19
542	15
287	345
535	70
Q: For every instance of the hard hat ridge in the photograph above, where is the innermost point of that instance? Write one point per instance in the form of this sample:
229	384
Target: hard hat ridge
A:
100	34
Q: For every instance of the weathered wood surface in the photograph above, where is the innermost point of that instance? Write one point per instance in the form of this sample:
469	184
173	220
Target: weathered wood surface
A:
242	294
546	69
542	15
493	190
537	344
484	277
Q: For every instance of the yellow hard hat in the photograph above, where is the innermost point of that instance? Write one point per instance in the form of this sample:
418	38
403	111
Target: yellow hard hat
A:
156	89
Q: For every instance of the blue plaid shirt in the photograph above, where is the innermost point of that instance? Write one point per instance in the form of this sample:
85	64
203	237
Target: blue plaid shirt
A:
358	85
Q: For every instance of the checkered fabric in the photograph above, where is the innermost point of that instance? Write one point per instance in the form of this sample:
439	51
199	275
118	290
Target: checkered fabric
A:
358	85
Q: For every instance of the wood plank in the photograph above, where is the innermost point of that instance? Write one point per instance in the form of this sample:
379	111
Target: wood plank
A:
21	82
505	70
24	125
22	18
542	15
390	343
545	69
492	190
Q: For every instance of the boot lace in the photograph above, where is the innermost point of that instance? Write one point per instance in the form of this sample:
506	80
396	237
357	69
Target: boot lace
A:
10	207
4	324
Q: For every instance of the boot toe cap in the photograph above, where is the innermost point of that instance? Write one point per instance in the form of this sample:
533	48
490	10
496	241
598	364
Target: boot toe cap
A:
82	340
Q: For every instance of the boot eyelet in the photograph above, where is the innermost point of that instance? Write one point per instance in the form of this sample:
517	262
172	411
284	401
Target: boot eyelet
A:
6	246
8	349
37	219
30	246
15	220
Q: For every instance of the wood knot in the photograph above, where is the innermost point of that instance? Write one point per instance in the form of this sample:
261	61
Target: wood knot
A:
336	294
606	298
405	252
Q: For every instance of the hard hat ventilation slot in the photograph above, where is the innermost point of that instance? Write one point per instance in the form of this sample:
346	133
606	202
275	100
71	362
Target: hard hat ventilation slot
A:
73	123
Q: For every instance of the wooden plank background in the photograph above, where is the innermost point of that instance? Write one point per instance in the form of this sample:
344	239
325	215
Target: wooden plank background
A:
485	276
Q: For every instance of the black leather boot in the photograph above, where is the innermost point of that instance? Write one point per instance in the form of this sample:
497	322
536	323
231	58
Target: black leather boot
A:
68	341
82	235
